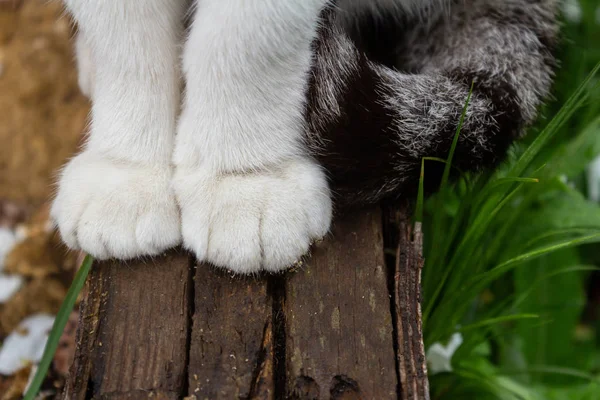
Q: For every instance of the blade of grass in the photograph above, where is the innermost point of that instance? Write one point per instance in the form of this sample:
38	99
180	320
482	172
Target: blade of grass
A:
512	302
575	102
499	385
57	329
497	320
448	166
548	369
438	159
437	217
453	307
534	285
421	194
572	158
458	259
442	161
561	232
489	276
488	191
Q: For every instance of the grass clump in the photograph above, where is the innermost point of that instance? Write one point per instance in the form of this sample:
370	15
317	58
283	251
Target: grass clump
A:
509	253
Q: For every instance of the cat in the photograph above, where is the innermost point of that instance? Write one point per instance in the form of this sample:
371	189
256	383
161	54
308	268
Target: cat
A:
235	135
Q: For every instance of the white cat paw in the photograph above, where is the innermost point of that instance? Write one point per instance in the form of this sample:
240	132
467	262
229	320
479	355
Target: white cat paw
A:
255	221
112	209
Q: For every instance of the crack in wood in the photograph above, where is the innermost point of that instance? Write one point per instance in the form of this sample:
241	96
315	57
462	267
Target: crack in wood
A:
276	290
323	331
190	293
262	384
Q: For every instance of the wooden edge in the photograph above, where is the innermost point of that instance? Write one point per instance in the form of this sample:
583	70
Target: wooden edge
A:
168	329
412	364
134	334
89	318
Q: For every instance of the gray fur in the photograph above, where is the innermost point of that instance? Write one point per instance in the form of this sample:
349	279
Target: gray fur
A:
331	75
371	123
508	40
426	104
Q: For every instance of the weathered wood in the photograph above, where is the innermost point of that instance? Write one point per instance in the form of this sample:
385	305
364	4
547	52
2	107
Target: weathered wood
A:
411	352
132	343
231	355
167	329
338	318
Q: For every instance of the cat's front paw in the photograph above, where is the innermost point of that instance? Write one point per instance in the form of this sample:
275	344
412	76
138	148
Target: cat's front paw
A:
113	209
255	221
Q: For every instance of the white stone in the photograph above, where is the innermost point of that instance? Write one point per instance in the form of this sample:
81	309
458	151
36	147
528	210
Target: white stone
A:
25	344
9	285
439	357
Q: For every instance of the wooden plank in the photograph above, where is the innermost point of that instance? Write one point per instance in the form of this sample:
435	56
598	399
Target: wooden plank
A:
409	321
338	318
133	340
231	354
166	331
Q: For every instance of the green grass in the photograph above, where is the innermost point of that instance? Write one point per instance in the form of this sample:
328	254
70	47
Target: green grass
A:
59	326
505	261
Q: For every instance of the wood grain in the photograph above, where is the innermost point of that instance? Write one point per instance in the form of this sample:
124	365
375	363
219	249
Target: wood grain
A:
133	341
231	354
338	317
169	329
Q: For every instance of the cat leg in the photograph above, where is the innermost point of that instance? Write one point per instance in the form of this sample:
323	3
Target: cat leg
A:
114	199
85	66
251	198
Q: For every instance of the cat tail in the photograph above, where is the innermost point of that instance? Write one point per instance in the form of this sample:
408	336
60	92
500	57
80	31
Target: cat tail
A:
370	124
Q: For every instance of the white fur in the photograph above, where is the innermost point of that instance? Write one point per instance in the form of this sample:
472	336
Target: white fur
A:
248	222
85	66
116	209
246	67
136	81
114	199
250	197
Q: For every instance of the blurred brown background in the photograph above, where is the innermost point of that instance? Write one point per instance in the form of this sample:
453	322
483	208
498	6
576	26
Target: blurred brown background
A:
42	112
42	117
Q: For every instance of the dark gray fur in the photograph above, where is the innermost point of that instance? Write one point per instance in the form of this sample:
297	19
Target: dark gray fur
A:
387	90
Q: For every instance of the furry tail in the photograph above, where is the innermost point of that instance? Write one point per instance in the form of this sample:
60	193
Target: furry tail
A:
370	124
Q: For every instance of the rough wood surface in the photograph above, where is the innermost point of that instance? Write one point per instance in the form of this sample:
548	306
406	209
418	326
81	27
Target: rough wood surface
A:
168	329
132	343
231	354
411	352
338	319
